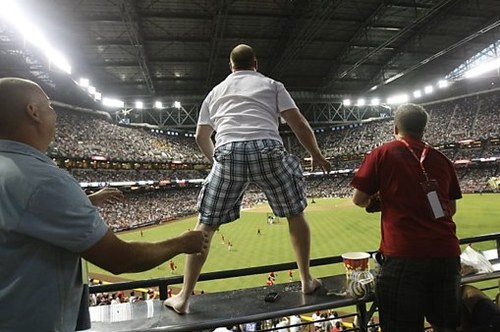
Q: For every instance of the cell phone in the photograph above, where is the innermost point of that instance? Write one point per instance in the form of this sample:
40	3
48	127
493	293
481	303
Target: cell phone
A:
271	297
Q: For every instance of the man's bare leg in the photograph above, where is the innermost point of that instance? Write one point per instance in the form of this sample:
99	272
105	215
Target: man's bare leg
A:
300	236
194	264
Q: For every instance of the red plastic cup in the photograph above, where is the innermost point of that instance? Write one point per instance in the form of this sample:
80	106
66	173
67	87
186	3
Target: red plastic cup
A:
355	262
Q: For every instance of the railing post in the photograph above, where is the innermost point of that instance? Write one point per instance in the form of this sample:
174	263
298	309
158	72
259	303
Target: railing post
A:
498	256
498	247
362	317
163	289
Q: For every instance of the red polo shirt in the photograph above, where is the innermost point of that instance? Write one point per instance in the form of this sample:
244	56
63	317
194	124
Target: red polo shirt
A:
407	228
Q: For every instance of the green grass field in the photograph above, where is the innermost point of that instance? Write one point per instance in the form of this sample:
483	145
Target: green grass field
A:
337	226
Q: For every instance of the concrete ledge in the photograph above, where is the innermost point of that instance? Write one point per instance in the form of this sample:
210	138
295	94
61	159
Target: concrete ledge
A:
225	308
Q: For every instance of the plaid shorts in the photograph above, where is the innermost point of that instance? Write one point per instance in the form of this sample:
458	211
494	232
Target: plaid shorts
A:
263	162
411	289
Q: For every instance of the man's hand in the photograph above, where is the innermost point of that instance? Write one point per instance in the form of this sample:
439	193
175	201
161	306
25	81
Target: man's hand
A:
194	242
106	196
374	205
321	162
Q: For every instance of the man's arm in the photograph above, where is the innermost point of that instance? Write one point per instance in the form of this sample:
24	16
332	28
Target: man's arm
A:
305	135
453	207
204	141
117	256
360	198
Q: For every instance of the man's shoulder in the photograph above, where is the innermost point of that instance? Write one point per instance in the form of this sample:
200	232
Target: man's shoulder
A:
386	147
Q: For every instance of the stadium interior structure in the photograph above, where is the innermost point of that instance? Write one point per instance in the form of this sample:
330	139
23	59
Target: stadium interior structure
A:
346	63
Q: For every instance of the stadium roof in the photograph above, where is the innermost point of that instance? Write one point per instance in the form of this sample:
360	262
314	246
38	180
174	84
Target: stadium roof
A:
178	49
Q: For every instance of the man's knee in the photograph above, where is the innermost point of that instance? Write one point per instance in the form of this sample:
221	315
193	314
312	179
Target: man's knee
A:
298	216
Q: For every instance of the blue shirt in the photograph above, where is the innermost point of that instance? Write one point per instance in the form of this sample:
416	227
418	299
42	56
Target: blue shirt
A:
46	221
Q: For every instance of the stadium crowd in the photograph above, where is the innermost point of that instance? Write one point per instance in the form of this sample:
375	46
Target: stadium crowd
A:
143	208
469	118
149	207
464	129
86	136
100	175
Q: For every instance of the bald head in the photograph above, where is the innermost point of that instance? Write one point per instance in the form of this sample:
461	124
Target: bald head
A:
15	95
26	114
243	58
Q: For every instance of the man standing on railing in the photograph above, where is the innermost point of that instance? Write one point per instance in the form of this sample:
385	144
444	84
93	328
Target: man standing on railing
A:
244	111
415	187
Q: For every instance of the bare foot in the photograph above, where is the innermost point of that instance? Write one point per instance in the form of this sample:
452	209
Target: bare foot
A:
311	286
177	304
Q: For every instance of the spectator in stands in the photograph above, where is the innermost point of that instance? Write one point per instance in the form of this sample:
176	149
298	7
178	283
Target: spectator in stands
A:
336	327
132	298
47	223
244	110
282	325
295	322
417	186
316	317
480	313
334	317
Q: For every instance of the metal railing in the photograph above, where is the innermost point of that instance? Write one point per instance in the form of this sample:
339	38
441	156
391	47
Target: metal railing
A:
163	283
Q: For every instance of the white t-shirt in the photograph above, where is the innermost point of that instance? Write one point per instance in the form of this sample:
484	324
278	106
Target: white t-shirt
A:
245	107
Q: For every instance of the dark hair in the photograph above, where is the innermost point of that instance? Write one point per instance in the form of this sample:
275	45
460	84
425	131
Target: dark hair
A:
243	57
411	120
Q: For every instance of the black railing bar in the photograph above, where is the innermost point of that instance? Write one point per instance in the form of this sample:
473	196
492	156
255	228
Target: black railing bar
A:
480	277
211	275
489	288
480	238
249	271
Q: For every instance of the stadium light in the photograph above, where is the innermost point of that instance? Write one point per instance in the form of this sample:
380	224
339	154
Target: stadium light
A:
443	84
417	93
12	13
84	82
375	102
92	90
397	99
177	104
139	104
98	96
428	89
360	102
346	102
158	104
113	102
483	68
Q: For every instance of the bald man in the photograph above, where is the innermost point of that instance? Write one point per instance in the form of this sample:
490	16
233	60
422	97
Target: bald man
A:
244	111
47	223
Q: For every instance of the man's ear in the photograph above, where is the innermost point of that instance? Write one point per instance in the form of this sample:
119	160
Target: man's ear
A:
33	113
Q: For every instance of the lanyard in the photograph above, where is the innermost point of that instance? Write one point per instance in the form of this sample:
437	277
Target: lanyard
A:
422	156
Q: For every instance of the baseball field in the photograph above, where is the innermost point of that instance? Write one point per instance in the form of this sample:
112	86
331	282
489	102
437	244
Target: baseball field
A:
337	226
